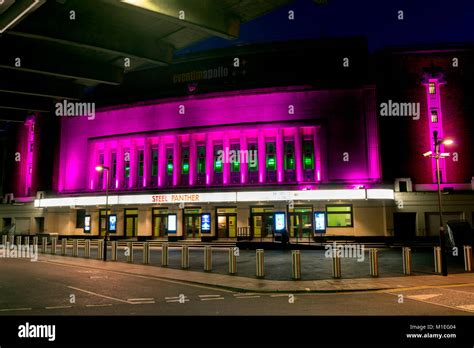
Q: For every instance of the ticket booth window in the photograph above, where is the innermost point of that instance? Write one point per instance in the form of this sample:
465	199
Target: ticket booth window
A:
339	216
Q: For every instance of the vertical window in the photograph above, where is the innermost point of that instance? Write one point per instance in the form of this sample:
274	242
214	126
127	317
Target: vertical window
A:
270	156
432	87
201	165
101	173
308	155
434	116
217	159
339	216
253	157
126	162
141	159
235	158
185	160
113	168
289	155
169	161
154	162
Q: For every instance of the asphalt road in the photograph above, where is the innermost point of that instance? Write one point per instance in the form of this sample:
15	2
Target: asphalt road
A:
43	288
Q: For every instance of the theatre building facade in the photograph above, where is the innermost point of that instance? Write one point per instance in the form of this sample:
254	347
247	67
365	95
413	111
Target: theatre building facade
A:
223	165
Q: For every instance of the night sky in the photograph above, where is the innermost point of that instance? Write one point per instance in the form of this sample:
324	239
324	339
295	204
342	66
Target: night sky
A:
425	22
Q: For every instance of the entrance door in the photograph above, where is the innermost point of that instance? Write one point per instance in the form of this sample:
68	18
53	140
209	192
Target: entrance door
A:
404	226
131	222
262	225
160	223
192	225
227	226
300	225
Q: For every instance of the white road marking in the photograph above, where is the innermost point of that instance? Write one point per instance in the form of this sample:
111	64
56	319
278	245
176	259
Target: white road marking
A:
141	299
99	305
99	295
467	307
209	295
211	298
185	300
423	297
15	309
247	296
58	307
98	277
280	295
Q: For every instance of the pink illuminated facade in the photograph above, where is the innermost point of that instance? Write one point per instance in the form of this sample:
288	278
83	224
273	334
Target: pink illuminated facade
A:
298	136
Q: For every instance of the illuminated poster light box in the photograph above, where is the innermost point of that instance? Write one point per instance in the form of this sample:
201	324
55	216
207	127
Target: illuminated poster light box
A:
113	223
280	222
206	223
87	224
320	222
172	226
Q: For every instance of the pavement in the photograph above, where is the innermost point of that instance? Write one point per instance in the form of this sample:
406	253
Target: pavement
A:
252	284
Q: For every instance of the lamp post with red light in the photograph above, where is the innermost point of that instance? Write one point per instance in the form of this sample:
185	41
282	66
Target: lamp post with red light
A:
437	155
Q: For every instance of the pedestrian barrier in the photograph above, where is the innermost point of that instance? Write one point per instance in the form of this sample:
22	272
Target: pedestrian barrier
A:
296	264
44	244
53	245
87	248
35	241
63	246
164	255
207	258
18	240
468	258
232	261
336	264
27	240
75	247
374	262
130	252
406	255
184	257
146	253
114	250
260	263
12	239
4	239
437	259
100	249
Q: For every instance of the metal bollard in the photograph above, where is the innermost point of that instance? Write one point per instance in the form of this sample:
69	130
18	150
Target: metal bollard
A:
18	240
336	265
100	249
27	240
4	239
87	248
207	258
44	244
75	247
232	261
12	239
114	250
296	264
406	253
437	259
184	257
146	253
164	255
35	240
63	247
468	258
53	246
260	263
374	262
130	252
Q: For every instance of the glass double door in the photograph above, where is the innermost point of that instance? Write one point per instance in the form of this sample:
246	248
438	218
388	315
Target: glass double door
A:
192	225
160	223
300	225
227	226
262	225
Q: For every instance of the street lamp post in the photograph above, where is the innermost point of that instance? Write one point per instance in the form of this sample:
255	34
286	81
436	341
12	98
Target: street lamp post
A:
442	237
100	168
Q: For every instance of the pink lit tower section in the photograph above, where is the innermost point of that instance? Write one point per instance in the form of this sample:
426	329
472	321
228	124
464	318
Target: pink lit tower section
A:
432	80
